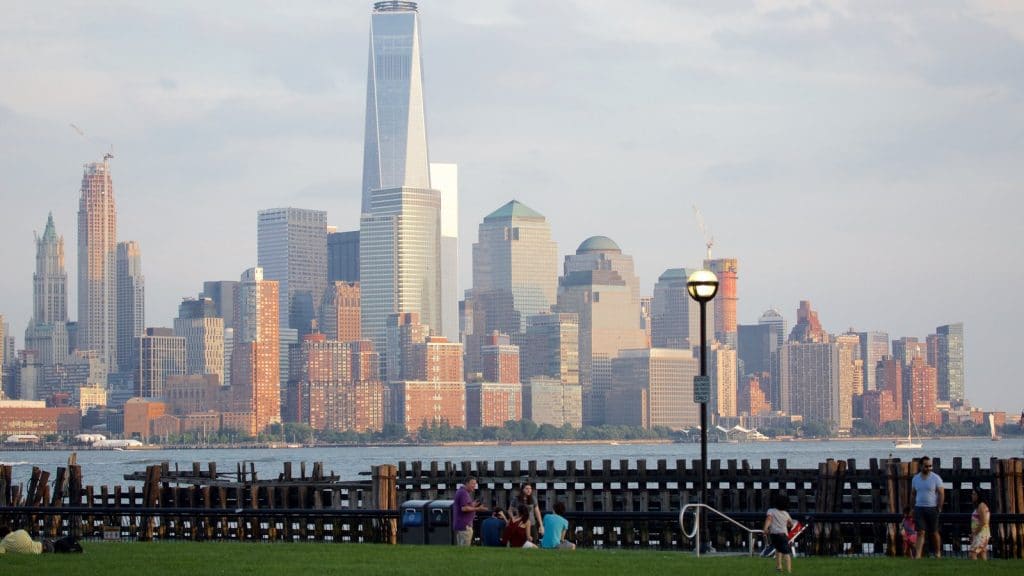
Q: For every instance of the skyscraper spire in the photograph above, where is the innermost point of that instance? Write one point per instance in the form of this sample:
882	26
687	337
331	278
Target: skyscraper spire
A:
395	147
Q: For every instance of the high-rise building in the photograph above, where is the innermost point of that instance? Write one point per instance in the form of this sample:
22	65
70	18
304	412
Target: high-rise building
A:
343	256
654	387
493	403
906	348
403	331
723	380
256	357
727	270
750	397
399	259
395	145
950	362
851	378
224	293
807	328
920	386
131	303
809	379
161	354
549	401
599	286
552	348
203	331
889	376
47	331
339	315
292	249
873	347
500	360
515	275
445	179
675	317
773	317
97	263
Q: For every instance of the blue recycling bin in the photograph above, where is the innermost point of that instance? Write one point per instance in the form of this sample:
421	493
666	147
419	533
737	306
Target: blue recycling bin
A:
413	522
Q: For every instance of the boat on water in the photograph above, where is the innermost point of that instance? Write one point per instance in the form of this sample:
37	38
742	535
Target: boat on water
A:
908	443
992	428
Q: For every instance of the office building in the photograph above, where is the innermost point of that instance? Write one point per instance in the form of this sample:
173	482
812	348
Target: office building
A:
203	331
292	250
445	179
515	275
161	354
809	382
873	347
97	263
950	363
47	331
339	316
600	288
131	304
654	387
722	370
343	256
675	317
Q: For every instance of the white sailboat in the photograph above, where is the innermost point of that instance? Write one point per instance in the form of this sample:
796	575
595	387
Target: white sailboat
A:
992	428
908	443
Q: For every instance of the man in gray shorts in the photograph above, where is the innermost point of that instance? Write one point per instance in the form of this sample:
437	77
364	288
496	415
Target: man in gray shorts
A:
928	495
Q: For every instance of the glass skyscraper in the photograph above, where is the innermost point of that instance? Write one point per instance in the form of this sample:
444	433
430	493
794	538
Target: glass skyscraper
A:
395	149
292	249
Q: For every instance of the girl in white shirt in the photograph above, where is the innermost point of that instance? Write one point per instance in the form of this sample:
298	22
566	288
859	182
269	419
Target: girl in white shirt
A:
777	524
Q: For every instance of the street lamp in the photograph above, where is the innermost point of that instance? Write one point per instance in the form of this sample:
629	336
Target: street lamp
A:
702	286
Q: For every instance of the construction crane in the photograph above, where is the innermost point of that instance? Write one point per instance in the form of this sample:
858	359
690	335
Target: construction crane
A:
80	132
709	240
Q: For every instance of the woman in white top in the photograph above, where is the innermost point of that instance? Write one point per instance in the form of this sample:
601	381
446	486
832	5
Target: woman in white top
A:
776	525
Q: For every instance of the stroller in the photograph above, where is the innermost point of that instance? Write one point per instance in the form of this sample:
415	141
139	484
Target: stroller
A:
794	533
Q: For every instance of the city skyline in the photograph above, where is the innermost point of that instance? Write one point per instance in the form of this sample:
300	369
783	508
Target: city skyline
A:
856	157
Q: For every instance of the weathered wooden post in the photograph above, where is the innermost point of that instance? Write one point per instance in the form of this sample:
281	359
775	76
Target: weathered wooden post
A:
385	497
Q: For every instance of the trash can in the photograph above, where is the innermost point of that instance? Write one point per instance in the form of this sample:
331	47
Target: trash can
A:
440	527
413	529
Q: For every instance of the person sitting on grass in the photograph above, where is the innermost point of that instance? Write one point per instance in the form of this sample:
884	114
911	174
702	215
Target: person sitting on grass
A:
491	529
19	542
555	527
517	533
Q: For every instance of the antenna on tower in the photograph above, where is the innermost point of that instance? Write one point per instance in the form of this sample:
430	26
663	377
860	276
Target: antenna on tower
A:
709	240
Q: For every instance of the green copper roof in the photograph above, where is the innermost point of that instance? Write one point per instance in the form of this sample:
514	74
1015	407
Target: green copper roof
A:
598	244
50	233
514	209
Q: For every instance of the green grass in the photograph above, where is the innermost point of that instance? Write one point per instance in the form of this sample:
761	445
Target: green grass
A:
190	559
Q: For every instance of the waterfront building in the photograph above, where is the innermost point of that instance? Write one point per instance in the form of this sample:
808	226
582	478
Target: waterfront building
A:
515	275
256	356
292	249
416	403
500	360
161	354
491	403
950	363
186	394
851	383
203	331
600	288
551	401
97	260
879	407
343	256
725	301
654	387
131	304
873	347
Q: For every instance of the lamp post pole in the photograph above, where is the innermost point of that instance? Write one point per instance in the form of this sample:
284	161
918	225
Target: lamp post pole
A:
702	286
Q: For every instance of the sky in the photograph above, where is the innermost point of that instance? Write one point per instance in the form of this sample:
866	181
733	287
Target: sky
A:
865	156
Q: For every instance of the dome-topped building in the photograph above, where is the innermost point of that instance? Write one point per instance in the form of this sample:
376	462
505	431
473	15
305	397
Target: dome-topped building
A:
598	244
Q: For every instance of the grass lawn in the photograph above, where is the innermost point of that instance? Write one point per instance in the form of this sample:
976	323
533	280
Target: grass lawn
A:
189	558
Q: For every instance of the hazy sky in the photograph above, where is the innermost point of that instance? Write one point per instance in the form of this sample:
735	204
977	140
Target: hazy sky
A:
866	156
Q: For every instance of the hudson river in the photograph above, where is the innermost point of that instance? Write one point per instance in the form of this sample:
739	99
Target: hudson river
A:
108	467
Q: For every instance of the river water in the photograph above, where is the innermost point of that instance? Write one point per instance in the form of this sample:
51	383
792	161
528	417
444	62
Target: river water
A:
108	467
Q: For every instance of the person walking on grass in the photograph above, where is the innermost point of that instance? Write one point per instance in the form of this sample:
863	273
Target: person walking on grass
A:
465	512
777	523
928	495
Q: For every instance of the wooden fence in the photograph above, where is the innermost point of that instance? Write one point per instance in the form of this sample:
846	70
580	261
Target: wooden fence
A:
853	510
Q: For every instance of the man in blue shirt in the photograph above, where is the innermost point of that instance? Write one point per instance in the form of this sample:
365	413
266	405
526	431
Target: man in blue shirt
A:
491	529
928	495
555	527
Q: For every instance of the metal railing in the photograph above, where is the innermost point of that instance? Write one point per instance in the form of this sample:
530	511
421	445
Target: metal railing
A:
696	525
